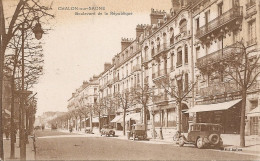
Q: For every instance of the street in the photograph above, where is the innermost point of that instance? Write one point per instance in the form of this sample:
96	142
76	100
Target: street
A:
53	145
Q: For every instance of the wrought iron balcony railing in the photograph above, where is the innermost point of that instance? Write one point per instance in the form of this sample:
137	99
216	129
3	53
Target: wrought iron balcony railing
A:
137	67
218	89
225	88
218	56
225	18
115	79
161	49
161	73
162	97
250	4
252	41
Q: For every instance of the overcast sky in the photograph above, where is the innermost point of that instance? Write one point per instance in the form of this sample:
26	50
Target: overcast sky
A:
78	46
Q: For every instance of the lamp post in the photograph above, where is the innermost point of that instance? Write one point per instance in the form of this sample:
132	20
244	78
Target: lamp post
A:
37	30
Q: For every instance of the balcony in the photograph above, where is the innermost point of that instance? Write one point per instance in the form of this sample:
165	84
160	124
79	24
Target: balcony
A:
136	68
226	19
224	88
251	42
250	10
217	56
115	79
102	87
160	74
250	4
161	49
218	89
109	83
160	99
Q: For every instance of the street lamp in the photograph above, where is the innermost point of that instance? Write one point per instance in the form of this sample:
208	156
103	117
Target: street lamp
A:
38	35
38	31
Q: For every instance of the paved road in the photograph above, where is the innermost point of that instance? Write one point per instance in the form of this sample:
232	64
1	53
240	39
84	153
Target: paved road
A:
61	146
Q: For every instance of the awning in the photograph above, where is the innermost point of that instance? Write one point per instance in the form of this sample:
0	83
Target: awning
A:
95	120
132	116
117	118
254	112
213	107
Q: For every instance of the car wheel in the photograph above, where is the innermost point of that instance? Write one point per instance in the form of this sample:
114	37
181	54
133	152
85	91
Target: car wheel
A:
200	143
214	139
181	141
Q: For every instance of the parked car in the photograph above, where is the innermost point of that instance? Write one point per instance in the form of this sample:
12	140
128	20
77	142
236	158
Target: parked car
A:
137	131
203	135
37	128
53	127
107	130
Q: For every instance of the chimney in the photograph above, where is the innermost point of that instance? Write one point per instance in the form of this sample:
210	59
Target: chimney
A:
125	42
176	6
156	15
139	30
106	66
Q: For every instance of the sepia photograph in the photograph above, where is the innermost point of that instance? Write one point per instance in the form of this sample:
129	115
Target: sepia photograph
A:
129	80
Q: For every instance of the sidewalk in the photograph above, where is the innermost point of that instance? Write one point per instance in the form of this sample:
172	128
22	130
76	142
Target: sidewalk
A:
231	141
29	150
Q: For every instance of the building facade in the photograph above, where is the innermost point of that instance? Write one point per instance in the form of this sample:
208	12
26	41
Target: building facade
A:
185	46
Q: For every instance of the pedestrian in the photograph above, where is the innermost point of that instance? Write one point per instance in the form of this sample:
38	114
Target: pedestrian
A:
7	132
43	127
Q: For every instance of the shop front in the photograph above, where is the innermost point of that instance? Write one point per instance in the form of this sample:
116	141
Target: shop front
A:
227	114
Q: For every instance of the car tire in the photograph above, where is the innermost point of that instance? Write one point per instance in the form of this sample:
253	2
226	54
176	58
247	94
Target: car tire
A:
181	141
200	143
214	139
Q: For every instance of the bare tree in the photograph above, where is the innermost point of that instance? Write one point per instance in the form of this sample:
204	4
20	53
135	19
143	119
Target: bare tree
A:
142	95
125	100
243	67
29	12
176	89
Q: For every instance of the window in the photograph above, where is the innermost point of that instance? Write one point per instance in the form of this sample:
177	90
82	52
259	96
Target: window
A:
172	36
220	9
197	24
251	32
186	82
207	14
172	61
126	69
186	55
146	53
180	85
183	26
179	57
197	52
152	52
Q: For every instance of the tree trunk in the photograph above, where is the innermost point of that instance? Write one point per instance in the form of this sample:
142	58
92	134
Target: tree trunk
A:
90	122
99	123
80	123
124	121
179	117
145	119
242	121
13	137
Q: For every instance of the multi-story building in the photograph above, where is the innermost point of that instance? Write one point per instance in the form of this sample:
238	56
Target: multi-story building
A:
218	26
84	97
185	46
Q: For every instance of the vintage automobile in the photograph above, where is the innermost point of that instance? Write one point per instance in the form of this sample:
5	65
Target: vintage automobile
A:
203	135
107	130
137	131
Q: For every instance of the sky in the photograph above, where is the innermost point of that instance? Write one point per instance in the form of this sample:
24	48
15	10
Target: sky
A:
78	46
